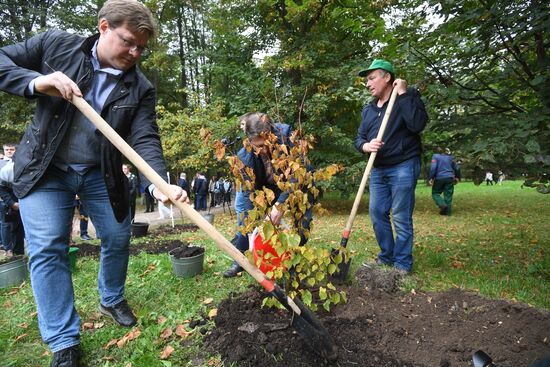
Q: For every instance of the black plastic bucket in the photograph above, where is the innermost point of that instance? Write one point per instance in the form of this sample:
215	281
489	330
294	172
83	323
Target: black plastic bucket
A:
139	229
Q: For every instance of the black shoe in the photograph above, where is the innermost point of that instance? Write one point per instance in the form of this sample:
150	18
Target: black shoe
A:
85	237
443	210
68	357
233	271
121	313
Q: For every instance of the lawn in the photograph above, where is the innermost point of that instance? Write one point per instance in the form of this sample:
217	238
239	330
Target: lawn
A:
497	242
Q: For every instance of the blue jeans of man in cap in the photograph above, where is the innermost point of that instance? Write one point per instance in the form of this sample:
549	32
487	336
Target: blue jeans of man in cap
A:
47	214
392	188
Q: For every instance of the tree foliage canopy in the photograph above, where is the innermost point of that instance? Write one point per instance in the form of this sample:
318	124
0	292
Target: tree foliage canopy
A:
482	67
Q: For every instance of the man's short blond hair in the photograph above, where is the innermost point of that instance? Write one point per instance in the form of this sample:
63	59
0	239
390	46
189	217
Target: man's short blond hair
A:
131	13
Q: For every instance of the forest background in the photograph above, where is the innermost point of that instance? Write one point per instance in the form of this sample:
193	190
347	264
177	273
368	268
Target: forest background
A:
481	67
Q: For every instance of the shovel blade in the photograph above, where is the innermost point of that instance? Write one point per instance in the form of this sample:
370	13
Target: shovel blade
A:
481	359
343	267
308	326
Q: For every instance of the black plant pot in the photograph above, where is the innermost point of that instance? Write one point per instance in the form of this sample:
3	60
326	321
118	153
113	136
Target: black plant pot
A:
139	229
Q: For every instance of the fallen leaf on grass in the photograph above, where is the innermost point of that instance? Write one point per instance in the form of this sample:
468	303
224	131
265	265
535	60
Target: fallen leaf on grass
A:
87	325
214	362
166	333
131	335
45	354
166	352
208	301
129	364
110	343
23	325
8	304
161	320
149	269
213	313
98	325
457	264
181	332
21	337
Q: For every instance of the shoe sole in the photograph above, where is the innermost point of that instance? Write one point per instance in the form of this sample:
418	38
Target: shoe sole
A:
107	313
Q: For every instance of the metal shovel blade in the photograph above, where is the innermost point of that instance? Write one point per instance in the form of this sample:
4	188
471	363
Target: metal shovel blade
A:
481	359
308	326
343	267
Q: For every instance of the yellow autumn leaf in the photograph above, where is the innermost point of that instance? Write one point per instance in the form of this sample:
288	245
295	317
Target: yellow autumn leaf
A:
213	313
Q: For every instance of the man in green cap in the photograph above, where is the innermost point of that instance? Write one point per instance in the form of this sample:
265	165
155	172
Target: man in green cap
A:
397	165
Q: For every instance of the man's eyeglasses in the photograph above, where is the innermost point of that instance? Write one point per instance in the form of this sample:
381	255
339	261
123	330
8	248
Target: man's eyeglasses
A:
132	46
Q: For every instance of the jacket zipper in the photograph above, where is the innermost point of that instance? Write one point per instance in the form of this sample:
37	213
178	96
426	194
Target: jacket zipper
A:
118	107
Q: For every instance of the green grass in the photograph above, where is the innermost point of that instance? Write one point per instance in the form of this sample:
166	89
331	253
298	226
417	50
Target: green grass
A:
497	242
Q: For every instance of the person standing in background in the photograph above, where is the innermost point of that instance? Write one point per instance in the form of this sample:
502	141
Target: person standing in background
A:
444	174
132	188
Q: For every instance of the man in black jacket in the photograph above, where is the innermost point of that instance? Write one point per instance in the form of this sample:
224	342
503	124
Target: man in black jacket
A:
397	165
62	154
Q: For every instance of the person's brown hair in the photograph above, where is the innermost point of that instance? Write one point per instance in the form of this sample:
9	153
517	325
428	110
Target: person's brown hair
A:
256	123
136	16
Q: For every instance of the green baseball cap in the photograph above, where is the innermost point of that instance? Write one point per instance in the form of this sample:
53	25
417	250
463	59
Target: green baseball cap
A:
378	64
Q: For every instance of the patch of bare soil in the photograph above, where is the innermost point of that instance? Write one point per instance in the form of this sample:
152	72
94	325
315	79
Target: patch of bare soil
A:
178	228
381	327
152	246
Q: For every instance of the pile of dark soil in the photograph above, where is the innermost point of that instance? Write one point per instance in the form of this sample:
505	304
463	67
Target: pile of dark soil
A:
382	328
186	251
166	230
154	246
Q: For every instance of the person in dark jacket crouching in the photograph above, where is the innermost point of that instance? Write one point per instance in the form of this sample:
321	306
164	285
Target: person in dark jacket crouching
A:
256	125
397	165
62	154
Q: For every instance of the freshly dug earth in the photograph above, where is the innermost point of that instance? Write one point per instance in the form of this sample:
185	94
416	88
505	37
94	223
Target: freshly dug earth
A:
178	228
154	246
383	327
186	251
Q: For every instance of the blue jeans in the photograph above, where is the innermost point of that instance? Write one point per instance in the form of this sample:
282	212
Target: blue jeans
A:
242	206
392	188
47	213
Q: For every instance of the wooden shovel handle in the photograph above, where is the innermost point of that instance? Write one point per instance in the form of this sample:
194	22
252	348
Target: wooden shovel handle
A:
165	188
370	163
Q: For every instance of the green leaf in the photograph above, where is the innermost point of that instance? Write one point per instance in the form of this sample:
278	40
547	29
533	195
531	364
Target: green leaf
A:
306	297
267	230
